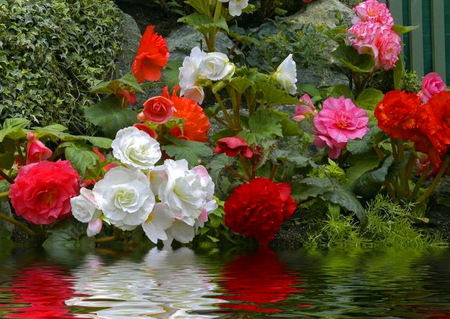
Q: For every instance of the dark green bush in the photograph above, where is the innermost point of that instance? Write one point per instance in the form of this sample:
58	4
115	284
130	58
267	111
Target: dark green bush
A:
51	53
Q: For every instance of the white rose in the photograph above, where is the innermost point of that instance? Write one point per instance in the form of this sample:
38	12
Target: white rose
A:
286	74
136	148
216	66
84	206
235	7
125	197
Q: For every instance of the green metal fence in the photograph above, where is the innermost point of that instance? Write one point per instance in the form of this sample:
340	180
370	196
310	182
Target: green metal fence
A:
427	48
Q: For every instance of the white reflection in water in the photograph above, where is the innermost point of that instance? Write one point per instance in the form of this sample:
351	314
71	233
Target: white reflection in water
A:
167	284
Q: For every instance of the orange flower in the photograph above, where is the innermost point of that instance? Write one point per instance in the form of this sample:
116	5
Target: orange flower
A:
398	114
151	58
196	124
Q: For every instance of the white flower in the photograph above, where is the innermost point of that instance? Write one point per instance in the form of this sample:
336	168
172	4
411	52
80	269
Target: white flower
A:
188	76
84	206
94	227
286	74
136	148
235	7
125	197
159	220
181	232
216	66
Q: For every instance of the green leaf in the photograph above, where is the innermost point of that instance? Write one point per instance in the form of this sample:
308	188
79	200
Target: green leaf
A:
347	200
100	142
399	74
401	29
171	72
191	151
266	123
339	90
106	87
356	62
369	98
364	145
201	6
361	165
274	96
217	165
131	81
110	116
7	149
203	23
310	89
80	155
240	84
69	235
14	128
293	157
242	38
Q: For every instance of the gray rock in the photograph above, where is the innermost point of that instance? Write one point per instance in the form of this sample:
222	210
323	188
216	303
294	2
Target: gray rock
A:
130	43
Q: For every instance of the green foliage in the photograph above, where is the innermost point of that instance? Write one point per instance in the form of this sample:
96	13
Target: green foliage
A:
69	235
51	52
188	150
356	62
389	225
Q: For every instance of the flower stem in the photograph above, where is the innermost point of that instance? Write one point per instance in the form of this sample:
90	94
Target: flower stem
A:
245	166
6	177
4	194
107	239
224	109
436	180
26	229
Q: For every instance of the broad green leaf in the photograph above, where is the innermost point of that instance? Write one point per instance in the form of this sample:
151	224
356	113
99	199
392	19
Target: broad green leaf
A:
339	90
364	145
131	81
274	96
201	6
191	151
356	62
240	84
312	90
361	165
14	128
216	165
401	29
69	235
7	149
369	98
203	23
266	123
244	39
171	72
80	155
294	157
106	87
347	200
110	116
100	142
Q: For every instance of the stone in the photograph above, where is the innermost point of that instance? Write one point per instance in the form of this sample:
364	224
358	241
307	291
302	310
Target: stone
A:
131	36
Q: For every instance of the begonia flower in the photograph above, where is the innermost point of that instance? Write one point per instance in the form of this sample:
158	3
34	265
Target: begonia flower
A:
152	56
160	219
286	74
304	109
36	150
188	76
216	66
233	146
158	109
373	11
235	7
432	84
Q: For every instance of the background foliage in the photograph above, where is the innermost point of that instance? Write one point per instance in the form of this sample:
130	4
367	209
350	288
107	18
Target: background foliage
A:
51	53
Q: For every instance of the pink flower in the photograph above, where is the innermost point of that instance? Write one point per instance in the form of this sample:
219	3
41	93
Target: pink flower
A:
304	109
373	11
378	40
36	150
232	146
158	109
41	191
339	121
432	84
307	1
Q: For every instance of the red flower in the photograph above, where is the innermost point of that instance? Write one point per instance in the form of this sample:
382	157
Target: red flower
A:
36	150
147	129
128	95
196	124
438	115
158	109
259	208
398	115
41	191
151	58
232	146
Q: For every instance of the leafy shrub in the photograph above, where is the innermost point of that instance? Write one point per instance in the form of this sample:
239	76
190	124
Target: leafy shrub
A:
51	53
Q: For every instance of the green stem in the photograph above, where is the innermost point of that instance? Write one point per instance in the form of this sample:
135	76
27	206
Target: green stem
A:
245	166
235	106
26	229
273	171
6	177
421	180
436	180
236	173
4	194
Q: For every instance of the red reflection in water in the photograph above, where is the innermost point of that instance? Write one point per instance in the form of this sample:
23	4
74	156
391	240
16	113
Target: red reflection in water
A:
41	290
258	280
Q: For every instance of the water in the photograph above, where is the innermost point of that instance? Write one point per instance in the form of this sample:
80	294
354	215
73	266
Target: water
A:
262	284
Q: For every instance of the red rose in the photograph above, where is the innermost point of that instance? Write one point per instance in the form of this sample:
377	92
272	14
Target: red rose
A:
151	58
158	109
196	124
232	146
259	208
41	191
36	150
398	115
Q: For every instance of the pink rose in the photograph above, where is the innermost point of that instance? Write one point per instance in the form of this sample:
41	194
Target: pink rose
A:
232	146
158	109
432	84
339	121
41	191
373	11
304	109
36	150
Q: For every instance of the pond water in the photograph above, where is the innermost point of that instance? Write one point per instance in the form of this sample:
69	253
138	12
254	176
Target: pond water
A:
262	284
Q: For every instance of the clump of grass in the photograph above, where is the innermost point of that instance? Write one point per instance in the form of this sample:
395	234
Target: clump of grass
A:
389	225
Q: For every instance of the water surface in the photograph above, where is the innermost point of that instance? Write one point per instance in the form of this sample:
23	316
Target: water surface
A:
262	284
